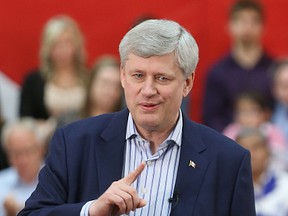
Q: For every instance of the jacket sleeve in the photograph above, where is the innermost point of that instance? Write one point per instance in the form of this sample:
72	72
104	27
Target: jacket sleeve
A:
243	202
51	194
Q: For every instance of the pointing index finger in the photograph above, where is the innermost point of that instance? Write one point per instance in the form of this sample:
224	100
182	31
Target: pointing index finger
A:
132	176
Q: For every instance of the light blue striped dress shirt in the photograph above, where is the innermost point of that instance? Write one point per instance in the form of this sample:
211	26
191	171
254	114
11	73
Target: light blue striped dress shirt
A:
156	183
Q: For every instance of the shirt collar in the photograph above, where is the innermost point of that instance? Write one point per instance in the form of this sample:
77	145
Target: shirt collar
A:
175	135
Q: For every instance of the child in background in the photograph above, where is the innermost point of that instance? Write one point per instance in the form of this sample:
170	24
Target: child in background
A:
252	111
270	184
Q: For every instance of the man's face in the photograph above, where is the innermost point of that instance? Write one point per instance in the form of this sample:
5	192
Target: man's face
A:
154	88
25	154
246	27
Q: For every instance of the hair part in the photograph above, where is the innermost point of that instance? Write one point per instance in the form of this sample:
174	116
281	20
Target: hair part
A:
157	37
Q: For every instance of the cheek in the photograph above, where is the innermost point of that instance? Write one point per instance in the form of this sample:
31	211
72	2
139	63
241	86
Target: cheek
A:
94	93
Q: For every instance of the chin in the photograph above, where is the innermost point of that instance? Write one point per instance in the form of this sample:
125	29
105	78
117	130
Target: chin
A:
148	122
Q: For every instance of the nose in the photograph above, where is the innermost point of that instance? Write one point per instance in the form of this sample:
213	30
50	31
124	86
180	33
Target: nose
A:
149	87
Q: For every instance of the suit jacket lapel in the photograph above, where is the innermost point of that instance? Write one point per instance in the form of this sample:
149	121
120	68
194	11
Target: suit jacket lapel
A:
189	178
110	153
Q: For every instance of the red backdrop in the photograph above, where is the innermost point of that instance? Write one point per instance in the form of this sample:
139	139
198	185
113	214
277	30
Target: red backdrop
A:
105	22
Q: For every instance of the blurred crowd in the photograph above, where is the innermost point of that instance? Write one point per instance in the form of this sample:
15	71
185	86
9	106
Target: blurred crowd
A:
245	98
61	91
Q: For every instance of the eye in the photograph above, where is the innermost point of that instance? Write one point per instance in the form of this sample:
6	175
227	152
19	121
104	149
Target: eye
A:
162	78
138	75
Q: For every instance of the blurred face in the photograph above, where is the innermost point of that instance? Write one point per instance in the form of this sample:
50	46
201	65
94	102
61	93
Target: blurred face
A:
154	88
63	50
281	86
246	27
24	154
259	153
106	89
249	114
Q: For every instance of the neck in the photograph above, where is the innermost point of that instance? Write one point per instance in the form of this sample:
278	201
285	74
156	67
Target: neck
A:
156	136
65	77
155	139
257	177
247	55
30	178
64	70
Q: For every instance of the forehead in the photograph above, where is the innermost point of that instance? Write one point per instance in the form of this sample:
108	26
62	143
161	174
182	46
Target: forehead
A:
252	141
20	138
246	102
246	14
161	64
282	72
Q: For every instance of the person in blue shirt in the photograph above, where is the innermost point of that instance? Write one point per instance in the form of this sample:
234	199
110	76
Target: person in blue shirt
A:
25	151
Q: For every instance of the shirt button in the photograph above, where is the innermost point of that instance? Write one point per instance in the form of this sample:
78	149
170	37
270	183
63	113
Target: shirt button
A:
144	190
149	163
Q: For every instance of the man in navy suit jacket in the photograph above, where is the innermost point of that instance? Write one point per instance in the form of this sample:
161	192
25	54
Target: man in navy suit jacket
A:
94	166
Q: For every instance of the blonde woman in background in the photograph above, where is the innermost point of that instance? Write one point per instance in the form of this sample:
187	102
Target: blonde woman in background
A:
59	84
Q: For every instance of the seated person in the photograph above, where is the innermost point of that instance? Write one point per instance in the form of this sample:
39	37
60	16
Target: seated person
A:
244	68
251	110
103	92
58	86
25	151
270	184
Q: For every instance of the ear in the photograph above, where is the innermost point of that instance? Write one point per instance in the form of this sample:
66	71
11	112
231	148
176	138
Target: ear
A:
188	84
122	75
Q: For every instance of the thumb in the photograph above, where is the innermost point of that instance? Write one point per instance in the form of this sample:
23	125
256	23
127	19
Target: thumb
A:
142	203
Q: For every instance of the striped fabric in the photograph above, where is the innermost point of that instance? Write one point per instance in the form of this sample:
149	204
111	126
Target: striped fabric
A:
156	182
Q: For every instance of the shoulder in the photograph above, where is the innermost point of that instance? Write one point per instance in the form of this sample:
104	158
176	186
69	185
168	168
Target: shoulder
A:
95	125
215	143
33	77
8	176
267	59
222	64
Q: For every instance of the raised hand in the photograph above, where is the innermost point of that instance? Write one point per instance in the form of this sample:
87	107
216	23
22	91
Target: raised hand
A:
120	197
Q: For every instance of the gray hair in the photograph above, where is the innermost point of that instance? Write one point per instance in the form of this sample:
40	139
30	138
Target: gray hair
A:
161	37
27	124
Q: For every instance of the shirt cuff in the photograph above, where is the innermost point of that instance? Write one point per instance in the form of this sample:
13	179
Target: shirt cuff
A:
85	208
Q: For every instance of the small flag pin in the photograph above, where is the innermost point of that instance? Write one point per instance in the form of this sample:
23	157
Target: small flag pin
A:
192	164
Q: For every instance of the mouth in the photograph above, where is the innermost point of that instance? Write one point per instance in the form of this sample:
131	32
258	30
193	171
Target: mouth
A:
149	106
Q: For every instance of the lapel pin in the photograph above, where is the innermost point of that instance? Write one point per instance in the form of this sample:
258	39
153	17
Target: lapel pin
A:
192	164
